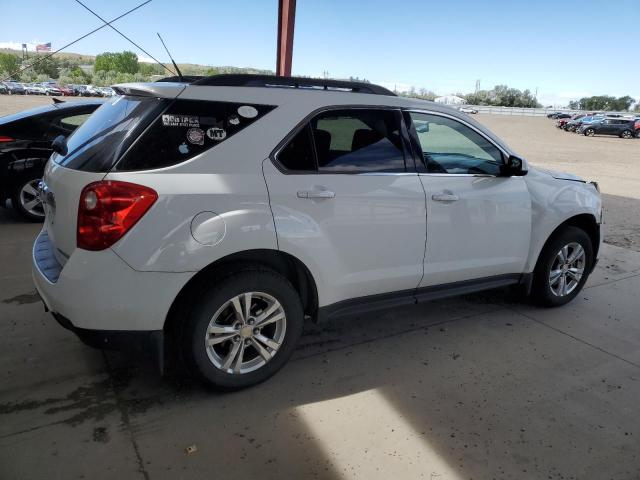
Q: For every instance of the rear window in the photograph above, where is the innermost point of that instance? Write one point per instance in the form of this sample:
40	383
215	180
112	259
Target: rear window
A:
187	128
98	143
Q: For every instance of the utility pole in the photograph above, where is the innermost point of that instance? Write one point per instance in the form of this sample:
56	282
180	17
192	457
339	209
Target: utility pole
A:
286	27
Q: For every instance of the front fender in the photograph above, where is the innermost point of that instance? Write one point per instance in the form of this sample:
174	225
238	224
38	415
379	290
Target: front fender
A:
554	202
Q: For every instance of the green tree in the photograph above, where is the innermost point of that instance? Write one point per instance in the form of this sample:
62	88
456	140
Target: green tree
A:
47	66
503	96
606	103
9	64
150	69
124	62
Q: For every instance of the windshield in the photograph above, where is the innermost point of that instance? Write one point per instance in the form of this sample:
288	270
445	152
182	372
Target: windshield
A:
99	142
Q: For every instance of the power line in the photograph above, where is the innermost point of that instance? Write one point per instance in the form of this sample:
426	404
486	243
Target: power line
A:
127	38
107	24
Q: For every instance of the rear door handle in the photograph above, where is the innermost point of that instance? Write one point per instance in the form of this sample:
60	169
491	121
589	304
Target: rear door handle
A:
445	197
316	194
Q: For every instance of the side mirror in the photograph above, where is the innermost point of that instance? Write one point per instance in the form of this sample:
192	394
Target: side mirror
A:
514	167
59	145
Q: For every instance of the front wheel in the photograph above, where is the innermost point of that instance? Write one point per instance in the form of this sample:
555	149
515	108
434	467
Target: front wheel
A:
563	267
627	134
244	329
589	132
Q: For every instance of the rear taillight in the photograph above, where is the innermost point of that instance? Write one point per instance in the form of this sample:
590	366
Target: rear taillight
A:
108	210
5	139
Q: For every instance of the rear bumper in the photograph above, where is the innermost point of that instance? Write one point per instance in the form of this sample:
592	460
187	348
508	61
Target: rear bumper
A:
98	291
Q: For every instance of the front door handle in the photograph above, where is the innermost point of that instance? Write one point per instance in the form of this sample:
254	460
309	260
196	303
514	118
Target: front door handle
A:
445	197
316	194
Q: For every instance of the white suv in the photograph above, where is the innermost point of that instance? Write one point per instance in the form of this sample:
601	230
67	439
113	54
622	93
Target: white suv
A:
216	215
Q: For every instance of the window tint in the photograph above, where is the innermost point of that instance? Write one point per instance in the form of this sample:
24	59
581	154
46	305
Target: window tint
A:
358	141
449	146
96	145
297	155
188	128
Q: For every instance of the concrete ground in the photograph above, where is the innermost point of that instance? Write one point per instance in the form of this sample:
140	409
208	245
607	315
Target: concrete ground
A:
474	387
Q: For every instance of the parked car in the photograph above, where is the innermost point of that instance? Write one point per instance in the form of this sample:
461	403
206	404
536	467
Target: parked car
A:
3	89
466	109
79	90
574	125
34	89
214	218
558	115
569	124
14	88
51	89
620	127
25	146
66	91
636	128
92	91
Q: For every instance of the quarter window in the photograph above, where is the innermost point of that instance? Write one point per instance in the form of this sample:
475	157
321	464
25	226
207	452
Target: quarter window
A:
187	128
449	146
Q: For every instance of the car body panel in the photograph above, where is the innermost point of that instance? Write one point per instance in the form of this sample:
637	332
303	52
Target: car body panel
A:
368	239
484	233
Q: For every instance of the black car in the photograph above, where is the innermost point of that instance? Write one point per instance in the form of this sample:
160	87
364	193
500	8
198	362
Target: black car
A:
14	88
557	115
620	127
25	146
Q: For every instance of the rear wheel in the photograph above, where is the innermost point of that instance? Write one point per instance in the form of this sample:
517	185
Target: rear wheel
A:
627	134
244	329
589	132
26	200
563	267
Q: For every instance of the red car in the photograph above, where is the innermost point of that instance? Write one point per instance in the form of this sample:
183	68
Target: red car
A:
636	128
66	91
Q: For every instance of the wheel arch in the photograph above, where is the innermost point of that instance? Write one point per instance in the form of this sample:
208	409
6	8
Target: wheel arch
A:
584	221
285	264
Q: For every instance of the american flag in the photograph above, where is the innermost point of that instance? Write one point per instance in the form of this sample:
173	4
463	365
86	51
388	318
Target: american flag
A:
43	47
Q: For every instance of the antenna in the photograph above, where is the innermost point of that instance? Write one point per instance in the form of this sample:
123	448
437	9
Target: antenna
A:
172	60
127	38
107	24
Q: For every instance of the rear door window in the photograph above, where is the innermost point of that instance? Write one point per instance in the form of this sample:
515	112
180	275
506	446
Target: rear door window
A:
187	128
358	141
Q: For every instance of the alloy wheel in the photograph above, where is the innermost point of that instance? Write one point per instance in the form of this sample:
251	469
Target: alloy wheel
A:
30	198
567	269
245	332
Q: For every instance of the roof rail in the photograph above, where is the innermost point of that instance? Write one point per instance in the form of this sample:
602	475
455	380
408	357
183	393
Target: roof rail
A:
184	79
249	80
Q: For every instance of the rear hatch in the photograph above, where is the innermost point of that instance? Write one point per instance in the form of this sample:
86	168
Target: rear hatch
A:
92	151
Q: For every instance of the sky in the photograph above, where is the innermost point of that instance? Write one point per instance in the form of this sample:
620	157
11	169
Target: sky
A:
566	49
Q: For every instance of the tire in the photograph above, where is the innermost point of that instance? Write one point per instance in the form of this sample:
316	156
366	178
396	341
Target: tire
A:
589	132
638	134
548	293
23	194
626	134
217	365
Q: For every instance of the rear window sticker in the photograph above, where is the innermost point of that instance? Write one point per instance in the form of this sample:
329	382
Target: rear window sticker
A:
234	120
217	134
183	148
195	136
247	111
174	120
